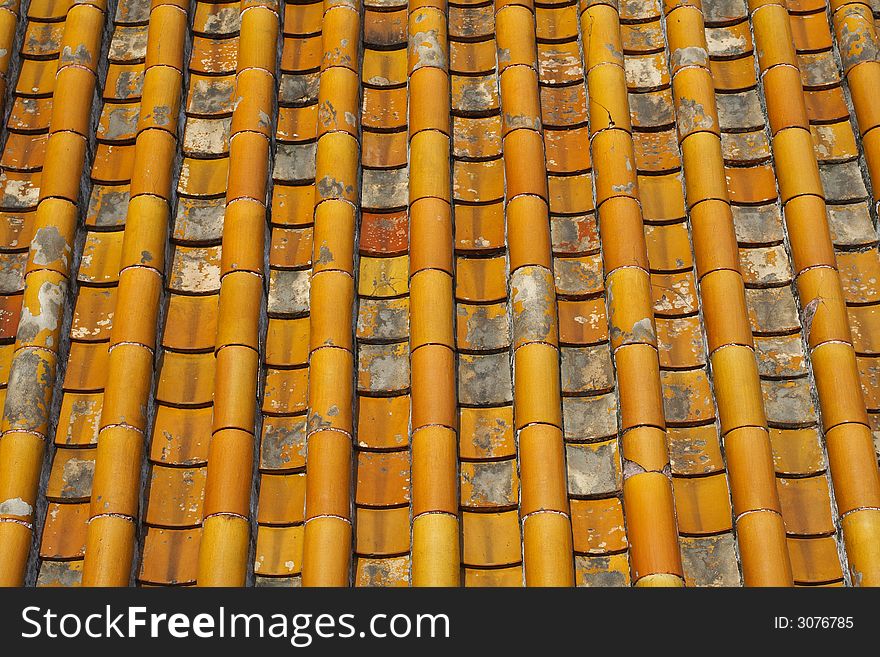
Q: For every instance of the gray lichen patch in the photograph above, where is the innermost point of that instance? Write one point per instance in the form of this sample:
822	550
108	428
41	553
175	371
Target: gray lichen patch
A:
222	21
50	298
204	136
49	246
76	55
476	94
383	319
693	116
842	181
788	402
772	310
199	220
128	43
211	96
594	468
484	379
393	571
329	187
383	189
588	418
428	50
18	193
289	292
757	224
76	478
60	573
383	367
601	571
12	267
587	369
29	391
119	122
108	206
299	89
489	484
15	506
196	269
533	297
483	327
850	224
283	445
709	560
295	162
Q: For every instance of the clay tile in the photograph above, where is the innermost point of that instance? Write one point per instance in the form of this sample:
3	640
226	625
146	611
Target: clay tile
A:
384	68
282	499
734	74
191	323
825	105
79	419
382	531
491	539
170	556
128	44
384	108
474	94
477	137
283	443
806	505
101	254
217	19
383	478
702	504
301	54
64	531
471	57
176	496
286	391
642	37
564	106
710	560
651	109
199	220
36	78
471	23
737	111
42	39
729	41
382	421
384	572
695	450
186	379
383	149
772	310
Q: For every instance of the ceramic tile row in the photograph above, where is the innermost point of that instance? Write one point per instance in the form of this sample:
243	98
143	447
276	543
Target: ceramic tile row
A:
328	541
182	400
488	473
282	478
771	302
9	25
22	159
855	33
76	434
224	549
70	67
614	116
594	474
762	258
700	486
382	489
807	188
